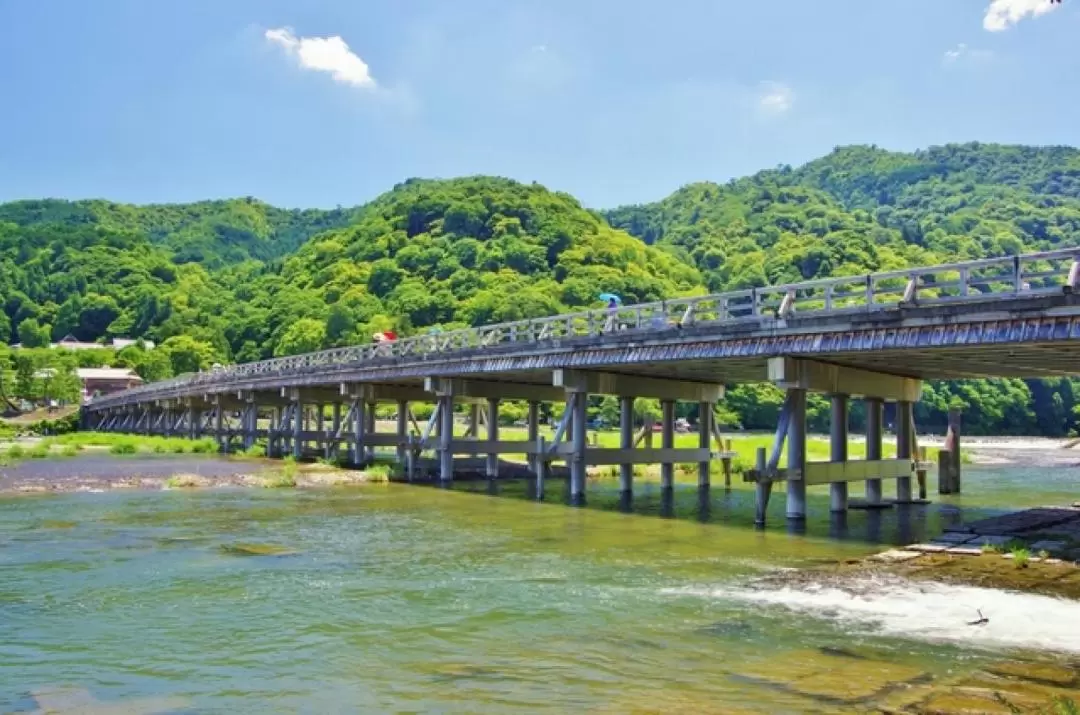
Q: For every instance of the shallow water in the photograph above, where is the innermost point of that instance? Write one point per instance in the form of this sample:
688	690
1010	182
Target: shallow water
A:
405	598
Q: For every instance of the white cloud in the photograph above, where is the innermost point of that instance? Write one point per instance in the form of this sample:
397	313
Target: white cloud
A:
1001	14
775	97
324	54
963	53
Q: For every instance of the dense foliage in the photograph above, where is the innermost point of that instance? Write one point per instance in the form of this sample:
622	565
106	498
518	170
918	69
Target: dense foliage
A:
863	209
239	280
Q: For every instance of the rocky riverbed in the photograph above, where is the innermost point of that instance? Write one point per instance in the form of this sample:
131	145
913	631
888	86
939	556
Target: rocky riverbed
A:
100	472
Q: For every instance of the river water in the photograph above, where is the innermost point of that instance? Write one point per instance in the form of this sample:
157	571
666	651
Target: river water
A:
396	598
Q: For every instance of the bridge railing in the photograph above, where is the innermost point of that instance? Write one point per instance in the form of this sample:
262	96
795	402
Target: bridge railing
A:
1009	276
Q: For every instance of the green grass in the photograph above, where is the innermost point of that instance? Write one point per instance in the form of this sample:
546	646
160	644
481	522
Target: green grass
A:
39	451
15	452
379	473
255	451
286	477
1021	557
138	444
124	447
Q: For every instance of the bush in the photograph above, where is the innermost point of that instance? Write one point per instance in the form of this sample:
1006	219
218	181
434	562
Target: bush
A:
206	445
15	451
378	473
124	447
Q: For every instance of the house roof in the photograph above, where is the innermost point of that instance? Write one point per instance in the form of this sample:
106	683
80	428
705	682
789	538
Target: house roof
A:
107	373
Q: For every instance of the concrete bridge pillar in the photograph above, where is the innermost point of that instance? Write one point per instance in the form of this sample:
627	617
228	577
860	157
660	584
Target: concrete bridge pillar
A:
796	445
875	417
402	429
370	428
667	441
299	417
359	425
474	420
705	420
578	403
219	428
492	470
533	434
626	441
273	438
446	437
838	450
904	427
321	439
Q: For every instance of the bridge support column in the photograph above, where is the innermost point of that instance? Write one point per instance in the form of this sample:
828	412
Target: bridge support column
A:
474	421
904	424
219	428
626	441
322	441
359	429
667	441
705	429
192	422
838	450
578	402
796	444
370	429
249	422
402	429
875	416
533	427
492	469
446	437
298	428
330	436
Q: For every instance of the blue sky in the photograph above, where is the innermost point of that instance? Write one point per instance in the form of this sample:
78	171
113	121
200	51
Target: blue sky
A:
325	102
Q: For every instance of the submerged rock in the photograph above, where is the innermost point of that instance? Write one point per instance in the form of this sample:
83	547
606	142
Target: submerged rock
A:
58	524
257	550
835	678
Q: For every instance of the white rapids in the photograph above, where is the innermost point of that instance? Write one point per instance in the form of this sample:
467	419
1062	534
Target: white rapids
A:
923	611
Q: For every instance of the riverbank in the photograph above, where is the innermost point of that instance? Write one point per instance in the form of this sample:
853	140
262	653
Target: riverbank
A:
96	470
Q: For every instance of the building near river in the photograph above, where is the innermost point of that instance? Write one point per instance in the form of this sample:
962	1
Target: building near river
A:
69	342
100	381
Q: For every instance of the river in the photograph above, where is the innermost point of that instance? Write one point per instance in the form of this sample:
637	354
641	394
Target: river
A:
397	598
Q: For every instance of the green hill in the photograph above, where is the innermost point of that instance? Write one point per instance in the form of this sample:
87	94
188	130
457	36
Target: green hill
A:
241	280
213	233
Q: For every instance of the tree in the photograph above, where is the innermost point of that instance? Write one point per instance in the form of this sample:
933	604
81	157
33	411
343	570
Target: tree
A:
304	336
24	376
154	365
32	335
186	354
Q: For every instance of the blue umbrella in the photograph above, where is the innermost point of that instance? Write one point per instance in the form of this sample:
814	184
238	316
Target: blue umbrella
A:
607	297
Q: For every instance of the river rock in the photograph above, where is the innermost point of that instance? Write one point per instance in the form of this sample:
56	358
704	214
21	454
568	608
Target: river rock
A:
835	678
257	550
895	556
1048	545
953	537
1045	673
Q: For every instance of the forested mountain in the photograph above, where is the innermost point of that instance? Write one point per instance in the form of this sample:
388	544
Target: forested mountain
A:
240	280
863	209
213	233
